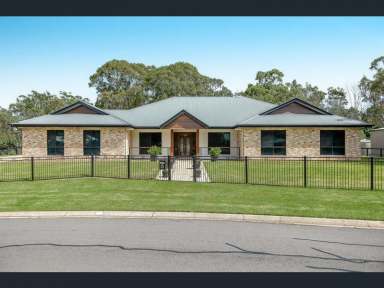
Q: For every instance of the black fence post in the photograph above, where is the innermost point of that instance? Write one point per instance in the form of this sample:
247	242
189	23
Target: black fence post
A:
372	173
305	171
169	167
381	152
32	168
129	166
194	167
93	166
246	169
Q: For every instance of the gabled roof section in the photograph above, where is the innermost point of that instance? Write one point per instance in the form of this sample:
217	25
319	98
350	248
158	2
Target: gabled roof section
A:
80	107
296	106
185	120
78	114
214	111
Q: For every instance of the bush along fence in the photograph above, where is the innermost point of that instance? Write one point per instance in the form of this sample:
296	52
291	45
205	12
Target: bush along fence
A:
346	173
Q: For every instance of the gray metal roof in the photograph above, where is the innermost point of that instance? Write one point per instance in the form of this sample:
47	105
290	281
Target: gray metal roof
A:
215	112
291	119
73	120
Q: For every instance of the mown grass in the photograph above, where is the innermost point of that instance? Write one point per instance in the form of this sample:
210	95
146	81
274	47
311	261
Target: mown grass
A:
11	170
320	173
148	195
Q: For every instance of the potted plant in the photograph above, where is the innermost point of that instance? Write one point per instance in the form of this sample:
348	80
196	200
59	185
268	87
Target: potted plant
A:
214	152
154	151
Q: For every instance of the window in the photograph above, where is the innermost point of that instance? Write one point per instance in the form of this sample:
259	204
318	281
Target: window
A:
55	142
273	142
220	139
332	142
147	140
91	142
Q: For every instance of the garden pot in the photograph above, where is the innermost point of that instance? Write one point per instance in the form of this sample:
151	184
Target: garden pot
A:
214	158
153	157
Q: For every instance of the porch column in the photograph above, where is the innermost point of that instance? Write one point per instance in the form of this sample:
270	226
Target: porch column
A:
197	142
172	144
129	142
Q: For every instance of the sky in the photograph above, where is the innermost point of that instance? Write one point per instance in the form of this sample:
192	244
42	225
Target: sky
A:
60	53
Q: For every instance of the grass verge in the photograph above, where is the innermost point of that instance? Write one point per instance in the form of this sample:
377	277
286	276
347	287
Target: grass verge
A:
147	195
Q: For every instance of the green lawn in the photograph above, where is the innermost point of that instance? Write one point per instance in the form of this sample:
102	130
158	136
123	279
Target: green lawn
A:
320	173
123	194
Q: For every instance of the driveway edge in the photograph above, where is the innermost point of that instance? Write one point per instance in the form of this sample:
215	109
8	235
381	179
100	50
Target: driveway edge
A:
198	216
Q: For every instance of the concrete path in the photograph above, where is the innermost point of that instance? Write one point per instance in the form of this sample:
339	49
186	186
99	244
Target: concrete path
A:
182	171
198	216
184	245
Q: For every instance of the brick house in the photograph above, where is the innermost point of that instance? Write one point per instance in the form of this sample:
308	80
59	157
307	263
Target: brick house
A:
191	126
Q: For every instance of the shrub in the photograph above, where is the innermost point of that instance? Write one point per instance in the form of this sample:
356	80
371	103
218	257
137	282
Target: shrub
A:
215	151
154	150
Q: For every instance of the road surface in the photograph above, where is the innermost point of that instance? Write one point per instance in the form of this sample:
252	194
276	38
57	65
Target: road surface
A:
184	245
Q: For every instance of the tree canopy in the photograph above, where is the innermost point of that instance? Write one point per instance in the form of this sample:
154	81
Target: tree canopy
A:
41	103
120	84
270	87
372	91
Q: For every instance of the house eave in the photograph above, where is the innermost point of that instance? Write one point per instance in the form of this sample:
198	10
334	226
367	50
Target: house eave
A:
67	125
303	125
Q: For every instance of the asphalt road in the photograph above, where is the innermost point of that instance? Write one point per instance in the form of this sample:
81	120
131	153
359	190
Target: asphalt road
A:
184	245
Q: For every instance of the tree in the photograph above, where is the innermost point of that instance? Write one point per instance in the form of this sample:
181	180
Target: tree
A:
41	103
372	91
182	79
8	136
270	78
313	95
336	101
120	84
270	87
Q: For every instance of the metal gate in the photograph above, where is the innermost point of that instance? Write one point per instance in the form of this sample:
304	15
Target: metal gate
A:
183	168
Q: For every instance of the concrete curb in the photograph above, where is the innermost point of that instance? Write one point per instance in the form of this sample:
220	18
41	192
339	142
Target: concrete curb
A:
198	216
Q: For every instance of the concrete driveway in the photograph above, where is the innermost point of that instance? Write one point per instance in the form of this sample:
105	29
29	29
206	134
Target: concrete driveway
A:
184	245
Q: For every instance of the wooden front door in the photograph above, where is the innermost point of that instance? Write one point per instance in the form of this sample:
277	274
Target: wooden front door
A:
184	143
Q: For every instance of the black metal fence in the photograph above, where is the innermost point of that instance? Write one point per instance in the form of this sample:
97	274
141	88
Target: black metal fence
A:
377	152
323	172
10	150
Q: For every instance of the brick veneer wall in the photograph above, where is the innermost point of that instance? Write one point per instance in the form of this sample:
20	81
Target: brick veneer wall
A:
34	140
300	141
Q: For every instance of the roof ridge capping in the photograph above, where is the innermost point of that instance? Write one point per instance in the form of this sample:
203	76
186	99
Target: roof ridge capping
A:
299	101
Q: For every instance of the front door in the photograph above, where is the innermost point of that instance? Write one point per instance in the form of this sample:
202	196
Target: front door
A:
185	143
